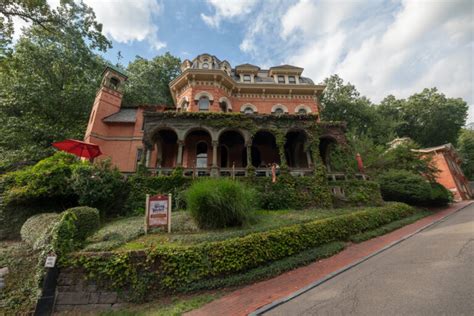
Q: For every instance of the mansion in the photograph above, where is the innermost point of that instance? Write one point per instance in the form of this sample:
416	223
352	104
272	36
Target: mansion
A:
224	121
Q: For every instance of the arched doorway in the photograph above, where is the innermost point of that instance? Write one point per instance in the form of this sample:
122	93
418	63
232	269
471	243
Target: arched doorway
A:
197	149
167	148
325	145
264	150
234	145
295	153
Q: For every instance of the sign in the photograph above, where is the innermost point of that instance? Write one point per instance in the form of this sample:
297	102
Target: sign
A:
50	262
158	211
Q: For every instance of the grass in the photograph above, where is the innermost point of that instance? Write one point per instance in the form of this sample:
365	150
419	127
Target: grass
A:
19	295
173	307
261	221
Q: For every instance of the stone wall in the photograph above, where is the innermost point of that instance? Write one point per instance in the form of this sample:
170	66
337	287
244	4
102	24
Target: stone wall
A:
75	293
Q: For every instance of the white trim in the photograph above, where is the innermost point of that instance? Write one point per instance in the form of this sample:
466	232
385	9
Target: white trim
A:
203	94
227	101
279	106
246	105
303	106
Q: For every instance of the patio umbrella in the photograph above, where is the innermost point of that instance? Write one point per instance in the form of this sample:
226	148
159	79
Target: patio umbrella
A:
79	148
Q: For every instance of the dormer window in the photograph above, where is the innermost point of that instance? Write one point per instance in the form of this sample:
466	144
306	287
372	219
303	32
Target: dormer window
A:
203	104
281	79
205	66
247	78
291	79
114	83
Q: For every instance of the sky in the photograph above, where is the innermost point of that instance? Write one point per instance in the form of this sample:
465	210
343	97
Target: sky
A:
387	47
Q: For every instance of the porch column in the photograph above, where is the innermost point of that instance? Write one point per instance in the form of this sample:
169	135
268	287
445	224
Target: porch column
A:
179	158
249	154
308	157
214	167
148	156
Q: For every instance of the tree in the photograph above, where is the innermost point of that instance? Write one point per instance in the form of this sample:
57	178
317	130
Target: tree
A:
466	150
69	14
48	84
432	119
342	102
148	80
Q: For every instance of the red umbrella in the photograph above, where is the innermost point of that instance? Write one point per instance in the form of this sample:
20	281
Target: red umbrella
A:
79	148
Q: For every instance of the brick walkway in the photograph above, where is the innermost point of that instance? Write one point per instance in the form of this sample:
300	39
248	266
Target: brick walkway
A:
252	297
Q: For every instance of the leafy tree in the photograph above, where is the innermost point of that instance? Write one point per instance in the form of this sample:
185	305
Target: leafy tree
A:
432	119
466	150
148	80
48	84
342	102
59	21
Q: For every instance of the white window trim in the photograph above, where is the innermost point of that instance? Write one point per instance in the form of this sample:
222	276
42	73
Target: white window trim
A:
246	105
303	106
279	106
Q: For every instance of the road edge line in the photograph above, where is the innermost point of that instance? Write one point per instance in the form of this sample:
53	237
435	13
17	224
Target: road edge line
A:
332	275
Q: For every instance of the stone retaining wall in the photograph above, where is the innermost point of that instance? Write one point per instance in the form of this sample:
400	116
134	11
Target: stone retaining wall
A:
75	293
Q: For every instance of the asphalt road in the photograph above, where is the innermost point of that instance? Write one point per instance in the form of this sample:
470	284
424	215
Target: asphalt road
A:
431	273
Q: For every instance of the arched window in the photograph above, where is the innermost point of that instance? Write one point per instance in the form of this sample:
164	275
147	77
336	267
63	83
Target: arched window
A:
302	111
203	104
201	155
205	66
224	107
278	111
248	110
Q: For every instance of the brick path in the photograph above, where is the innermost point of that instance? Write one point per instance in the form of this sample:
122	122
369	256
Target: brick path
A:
252	297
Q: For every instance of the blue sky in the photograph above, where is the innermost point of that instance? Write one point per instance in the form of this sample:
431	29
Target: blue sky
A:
386	47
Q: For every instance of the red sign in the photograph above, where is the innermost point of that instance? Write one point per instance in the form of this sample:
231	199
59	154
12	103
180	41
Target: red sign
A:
158	211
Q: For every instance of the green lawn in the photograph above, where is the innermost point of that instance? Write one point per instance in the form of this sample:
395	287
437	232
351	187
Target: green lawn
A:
128	233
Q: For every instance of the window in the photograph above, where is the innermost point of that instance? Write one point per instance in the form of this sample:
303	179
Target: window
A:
205	66
139	154
292	79
248	110
114	82
281	79
223	106
278	111
247	78
203	104
201	155
302	111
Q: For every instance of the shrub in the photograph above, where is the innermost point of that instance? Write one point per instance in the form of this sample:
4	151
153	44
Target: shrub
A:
218	203
440	196
171	267
357	193
404	186
99	185
36	229
86	220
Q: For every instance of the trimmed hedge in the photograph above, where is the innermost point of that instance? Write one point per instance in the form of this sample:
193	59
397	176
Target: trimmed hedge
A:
170	267
86	220
36	228
440	196
404	186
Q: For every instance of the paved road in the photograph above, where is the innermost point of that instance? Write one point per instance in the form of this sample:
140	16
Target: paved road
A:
431	273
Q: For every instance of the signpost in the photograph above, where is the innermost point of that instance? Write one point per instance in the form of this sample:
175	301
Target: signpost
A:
158	211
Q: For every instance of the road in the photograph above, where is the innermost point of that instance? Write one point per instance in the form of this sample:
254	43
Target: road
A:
431	273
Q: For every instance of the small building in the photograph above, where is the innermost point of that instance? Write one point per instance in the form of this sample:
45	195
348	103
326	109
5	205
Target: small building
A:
447	161
224	120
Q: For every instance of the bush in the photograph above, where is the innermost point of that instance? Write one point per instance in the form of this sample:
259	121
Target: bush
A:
171	267
219	203
86	220
440	196
99	185
36	229
404	186
357	193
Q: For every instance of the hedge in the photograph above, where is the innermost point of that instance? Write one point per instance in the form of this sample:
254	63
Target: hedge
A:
167	267
86	220
357	193
36	228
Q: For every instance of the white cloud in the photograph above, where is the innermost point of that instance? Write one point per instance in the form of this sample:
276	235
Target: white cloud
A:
227	9
126	21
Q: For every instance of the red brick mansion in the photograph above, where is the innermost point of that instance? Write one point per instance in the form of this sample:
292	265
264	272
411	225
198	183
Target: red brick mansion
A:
223	120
